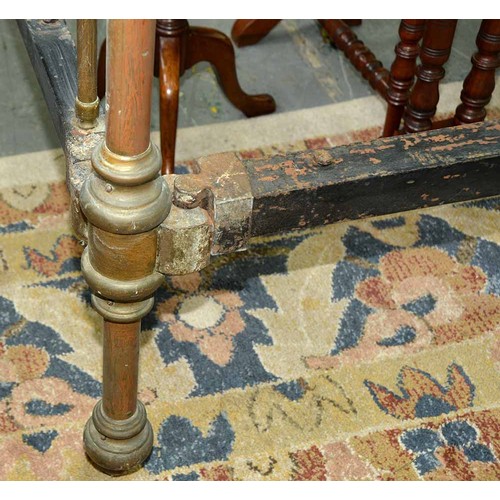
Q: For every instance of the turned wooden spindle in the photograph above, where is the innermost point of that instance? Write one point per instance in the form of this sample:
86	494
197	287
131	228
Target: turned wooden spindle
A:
358	53
435	51
402	73
480	82
251	31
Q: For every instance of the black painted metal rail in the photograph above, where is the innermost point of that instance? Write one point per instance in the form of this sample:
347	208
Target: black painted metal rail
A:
380	177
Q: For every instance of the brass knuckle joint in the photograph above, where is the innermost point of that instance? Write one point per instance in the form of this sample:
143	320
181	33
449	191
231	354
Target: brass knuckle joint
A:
138	231
125	195
211	215
124	200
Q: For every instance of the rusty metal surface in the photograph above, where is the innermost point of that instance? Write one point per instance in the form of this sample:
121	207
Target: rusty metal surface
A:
380	177
221	187
184	241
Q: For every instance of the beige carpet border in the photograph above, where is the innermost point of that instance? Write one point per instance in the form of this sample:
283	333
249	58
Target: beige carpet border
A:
282	128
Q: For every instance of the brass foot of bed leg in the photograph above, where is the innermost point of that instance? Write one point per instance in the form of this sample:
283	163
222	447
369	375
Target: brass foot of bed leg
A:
118	445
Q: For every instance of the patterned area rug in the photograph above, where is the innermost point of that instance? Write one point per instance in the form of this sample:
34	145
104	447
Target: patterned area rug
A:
361	350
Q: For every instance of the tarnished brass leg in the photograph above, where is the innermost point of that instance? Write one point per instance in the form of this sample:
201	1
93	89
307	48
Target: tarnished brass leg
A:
124	200
87	102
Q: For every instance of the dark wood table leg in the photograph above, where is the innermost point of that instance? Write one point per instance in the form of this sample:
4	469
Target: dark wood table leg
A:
171	43
251	31
436	48
402	73
213	46
180	47
358	53
480	82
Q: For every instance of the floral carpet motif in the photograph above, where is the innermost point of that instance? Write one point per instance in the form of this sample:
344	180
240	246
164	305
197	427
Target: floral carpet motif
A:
361	350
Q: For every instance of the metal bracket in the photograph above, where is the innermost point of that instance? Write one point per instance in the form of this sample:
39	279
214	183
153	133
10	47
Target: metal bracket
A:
211	215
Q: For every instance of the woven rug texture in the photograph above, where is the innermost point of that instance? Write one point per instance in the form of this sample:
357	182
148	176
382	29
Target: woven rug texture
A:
358	351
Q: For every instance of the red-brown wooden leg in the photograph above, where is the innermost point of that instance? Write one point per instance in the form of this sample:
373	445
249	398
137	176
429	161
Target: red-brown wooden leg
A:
480	82
436	48
402	73
169	76
213	46
359	54
251	31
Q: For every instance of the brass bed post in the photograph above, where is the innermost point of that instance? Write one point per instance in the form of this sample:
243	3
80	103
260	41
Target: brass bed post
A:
124	200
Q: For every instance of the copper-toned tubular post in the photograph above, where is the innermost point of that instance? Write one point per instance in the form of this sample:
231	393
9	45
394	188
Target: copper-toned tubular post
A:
128	93
121	365
124	200
87	102
128	97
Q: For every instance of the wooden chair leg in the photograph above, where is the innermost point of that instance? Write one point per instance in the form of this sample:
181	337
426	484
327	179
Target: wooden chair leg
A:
169	75
436	48
358	53
251	31
480	82
213	46
402	73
